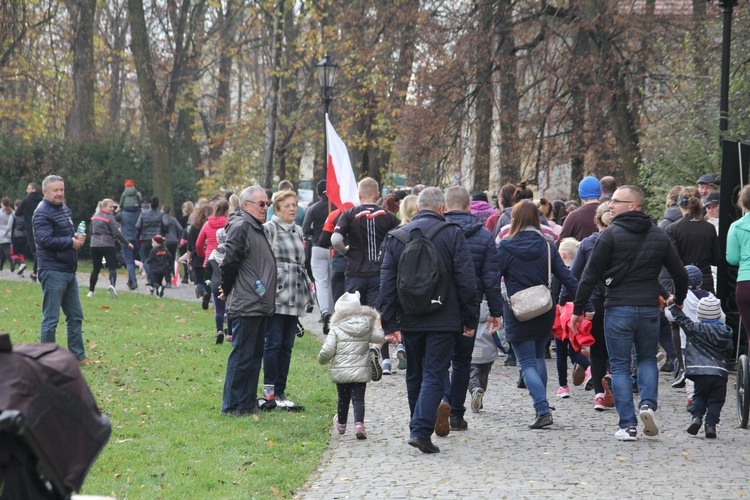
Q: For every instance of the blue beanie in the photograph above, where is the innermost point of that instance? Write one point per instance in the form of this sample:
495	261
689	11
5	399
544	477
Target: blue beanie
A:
589	189
695	277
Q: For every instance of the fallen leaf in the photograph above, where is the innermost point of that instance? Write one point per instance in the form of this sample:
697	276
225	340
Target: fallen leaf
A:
92	345
271	444
118	476
274	490
104	307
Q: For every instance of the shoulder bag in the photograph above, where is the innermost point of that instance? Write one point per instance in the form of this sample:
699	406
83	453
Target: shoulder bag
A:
533	301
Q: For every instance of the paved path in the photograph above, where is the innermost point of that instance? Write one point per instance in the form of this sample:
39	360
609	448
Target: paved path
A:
498	457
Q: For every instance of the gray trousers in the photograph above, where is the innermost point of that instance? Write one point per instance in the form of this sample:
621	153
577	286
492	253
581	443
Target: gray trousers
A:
321	269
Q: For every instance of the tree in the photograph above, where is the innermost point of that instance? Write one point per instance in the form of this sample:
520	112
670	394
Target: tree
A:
80	121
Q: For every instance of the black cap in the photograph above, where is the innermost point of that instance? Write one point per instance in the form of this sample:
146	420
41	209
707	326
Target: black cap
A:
712	199
709	179
320	188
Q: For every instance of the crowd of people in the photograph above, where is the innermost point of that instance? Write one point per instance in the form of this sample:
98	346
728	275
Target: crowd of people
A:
618	286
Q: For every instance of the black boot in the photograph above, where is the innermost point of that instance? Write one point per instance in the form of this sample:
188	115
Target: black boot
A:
695	426
710	431
541	421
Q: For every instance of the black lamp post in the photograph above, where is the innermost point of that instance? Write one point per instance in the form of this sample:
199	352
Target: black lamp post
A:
326	69
728	6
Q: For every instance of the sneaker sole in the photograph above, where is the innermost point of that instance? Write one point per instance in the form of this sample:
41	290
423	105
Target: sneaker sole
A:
442	423
476	401
377	370
602	408
649	424
579	375
563	396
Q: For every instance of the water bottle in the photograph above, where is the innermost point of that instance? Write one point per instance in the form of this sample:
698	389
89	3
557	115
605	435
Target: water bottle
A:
81	227
260	287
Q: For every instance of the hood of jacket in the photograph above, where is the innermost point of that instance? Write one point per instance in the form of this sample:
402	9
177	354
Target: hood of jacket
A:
527	245
355	321
468	223
215	222
635	222
743	223
481	206
673	214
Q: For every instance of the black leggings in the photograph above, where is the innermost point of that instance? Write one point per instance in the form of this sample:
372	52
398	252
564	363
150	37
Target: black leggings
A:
598	351
109	253
5	255
354	392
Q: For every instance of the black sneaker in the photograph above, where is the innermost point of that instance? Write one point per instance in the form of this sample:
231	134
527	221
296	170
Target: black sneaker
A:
458	423
541	421
160	291
695	426
679	380
710	431
326	323
206	300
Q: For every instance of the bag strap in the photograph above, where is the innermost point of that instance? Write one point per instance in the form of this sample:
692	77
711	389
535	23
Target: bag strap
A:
405	237
549	266
636	252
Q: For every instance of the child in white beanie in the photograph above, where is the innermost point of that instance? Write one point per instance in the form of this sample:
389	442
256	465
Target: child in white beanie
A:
707	353
347	347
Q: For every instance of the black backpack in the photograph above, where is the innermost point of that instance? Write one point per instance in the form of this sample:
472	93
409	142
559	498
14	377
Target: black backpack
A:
422	282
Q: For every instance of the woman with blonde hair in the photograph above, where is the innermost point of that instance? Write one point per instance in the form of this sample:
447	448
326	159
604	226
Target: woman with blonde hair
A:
526	259
408	208
105	233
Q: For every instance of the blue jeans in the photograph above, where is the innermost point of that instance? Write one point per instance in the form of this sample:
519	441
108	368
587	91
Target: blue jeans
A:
530	356
280	334
626	327
129	256
429	354
457	382
243	365
61	290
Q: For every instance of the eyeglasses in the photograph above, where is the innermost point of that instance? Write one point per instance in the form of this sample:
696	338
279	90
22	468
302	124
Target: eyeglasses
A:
619	201
261	204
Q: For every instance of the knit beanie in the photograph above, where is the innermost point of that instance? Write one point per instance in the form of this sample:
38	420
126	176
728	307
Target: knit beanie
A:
347	301
589	188
129	183
709	308
695	277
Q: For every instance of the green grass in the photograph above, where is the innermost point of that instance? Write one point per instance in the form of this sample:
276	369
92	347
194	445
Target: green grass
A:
159	377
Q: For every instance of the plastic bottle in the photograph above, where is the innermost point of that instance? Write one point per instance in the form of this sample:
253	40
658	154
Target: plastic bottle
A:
260	287
81	227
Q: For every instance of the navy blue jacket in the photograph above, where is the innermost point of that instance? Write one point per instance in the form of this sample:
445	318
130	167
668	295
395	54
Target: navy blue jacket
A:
484	254
523	264
53	235
709	345
461	306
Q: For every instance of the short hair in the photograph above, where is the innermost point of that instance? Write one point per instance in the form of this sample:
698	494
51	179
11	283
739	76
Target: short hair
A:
286	185
636	192
608	184
221	207
524	214
743	200
166	209
34	186
282	195
430	199
408	208
248	193
50	178
457	198
417	189
368	188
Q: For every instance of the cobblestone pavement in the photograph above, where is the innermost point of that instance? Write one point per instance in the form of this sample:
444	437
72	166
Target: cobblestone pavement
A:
499	457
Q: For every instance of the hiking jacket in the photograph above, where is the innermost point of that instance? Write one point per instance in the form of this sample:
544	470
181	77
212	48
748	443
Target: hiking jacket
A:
738	246
523	264
150	223
460	308
248	258
105	231
709	345
697	244
293	290
206	241
484	256
640	285
53	236
347	345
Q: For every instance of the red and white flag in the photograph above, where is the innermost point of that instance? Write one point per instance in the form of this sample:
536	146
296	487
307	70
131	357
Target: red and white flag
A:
341	185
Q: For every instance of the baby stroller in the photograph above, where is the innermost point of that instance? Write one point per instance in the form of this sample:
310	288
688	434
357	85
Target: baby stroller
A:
51	430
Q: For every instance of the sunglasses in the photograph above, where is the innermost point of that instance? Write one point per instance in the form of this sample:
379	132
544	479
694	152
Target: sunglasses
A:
261	204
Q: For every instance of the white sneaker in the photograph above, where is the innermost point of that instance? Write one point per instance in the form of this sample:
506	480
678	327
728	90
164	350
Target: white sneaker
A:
90	294
112	291
476	400
649	424
21	269
629	434
387	367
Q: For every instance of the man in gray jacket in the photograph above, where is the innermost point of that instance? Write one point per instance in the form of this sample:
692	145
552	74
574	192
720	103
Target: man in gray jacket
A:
248	283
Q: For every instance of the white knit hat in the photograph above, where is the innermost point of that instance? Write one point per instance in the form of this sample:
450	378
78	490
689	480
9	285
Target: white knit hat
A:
709	308
347	301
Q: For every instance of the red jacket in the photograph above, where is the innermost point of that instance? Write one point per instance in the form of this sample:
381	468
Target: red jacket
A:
206	241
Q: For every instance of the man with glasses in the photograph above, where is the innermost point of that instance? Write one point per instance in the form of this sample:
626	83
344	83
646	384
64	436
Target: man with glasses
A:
248	284
57	245
628	257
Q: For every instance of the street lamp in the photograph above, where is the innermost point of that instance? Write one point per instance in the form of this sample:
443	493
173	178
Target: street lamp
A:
326	69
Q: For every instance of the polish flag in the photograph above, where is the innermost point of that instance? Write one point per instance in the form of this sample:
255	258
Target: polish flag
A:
341	185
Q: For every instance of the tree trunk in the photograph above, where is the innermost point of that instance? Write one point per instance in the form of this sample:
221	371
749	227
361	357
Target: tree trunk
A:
157	120
80	121
223	91
118	27
510	157
272	102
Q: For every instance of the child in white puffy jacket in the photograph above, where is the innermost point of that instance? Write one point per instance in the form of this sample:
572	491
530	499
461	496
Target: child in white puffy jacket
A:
347	347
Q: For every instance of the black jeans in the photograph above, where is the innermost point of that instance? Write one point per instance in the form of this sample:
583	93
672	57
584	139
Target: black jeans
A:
709	397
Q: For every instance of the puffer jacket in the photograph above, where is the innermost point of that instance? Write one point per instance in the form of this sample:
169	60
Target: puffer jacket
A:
53	235
460	308
293	290
105	231
709	345
206	241
150	223
640	285
347	345
248	258
738	246
484	255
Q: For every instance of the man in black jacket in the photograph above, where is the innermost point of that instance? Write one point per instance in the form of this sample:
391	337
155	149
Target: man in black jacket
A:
628	257
429	338
26	210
